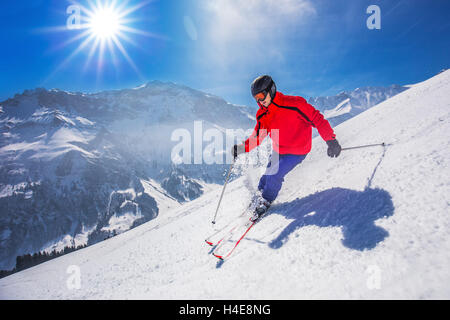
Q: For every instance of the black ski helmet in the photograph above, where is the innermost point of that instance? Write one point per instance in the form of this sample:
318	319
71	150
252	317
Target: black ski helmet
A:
264	83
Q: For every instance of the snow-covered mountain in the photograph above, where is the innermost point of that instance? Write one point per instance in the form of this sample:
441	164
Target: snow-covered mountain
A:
348	104
76	168
371	224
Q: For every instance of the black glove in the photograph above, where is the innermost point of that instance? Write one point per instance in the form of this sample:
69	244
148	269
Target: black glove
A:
334	148
237	150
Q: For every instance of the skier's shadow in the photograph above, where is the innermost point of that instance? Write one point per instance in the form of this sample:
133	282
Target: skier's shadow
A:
354	211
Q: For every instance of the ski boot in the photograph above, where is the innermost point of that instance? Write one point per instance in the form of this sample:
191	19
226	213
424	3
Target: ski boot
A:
261	208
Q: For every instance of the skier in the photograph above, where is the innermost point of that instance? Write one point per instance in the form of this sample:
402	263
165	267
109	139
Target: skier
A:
288	120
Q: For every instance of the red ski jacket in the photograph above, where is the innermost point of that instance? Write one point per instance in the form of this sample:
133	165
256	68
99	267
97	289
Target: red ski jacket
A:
288	120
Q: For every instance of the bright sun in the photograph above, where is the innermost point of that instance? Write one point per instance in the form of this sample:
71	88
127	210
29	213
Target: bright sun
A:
105	23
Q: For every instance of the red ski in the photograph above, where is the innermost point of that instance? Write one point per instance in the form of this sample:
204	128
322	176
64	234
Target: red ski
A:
228	244
223	252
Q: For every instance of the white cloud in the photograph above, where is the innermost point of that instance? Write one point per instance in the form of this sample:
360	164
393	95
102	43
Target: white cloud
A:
243	30
250	18
238	40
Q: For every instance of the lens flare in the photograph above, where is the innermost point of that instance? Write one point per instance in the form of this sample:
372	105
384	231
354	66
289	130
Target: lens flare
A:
105	23
103	26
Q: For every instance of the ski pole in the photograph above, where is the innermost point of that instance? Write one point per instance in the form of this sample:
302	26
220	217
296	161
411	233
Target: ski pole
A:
223	190
365	146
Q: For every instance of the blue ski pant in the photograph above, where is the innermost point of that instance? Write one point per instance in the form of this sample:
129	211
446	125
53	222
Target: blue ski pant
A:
279	165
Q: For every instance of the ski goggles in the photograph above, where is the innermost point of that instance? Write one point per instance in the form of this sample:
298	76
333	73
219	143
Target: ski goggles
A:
261	96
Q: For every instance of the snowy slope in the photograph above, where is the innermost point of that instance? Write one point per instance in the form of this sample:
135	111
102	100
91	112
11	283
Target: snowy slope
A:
373	223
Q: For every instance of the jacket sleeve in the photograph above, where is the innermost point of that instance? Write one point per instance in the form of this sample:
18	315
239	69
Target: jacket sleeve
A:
258	135
317	120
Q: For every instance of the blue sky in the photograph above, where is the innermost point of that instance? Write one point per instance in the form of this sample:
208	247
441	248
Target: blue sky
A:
311	48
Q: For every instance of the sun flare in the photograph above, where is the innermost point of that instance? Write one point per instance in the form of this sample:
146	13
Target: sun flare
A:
105	23
104	27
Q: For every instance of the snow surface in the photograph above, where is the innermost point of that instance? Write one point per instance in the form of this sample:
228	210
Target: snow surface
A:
371	224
